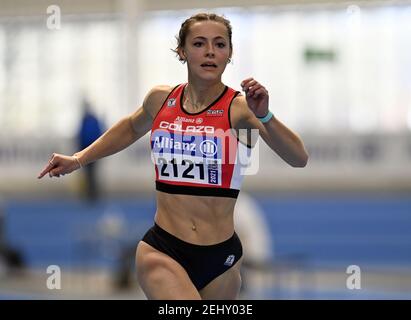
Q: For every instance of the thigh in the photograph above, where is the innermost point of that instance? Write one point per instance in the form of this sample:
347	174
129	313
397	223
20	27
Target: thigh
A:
226	286
161	277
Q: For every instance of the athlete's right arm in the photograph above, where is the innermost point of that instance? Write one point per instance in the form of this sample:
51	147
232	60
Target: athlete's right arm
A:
121	135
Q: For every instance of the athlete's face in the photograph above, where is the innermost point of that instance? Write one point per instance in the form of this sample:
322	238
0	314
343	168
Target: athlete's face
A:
207	49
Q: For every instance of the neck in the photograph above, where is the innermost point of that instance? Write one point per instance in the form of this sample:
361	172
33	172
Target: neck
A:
201	94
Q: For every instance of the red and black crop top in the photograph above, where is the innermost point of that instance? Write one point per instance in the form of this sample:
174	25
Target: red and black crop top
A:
197	153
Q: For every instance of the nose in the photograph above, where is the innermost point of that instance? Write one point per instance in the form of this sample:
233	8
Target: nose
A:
210	50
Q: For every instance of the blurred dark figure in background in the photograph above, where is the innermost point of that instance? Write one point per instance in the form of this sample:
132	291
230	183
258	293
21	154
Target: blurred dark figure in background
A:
90	129
10	258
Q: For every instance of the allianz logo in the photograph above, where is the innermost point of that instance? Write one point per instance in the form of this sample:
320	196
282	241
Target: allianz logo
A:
206	147
184	119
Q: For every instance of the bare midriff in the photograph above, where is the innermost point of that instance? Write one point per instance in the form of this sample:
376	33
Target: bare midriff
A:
196	219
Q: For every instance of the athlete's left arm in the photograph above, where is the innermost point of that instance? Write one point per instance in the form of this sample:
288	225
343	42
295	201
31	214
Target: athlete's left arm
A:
287	144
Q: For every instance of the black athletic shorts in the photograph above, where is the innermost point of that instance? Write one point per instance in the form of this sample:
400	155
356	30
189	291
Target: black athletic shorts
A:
203	263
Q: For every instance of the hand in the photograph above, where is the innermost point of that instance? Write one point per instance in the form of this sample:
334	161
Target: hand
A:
256	96
60	164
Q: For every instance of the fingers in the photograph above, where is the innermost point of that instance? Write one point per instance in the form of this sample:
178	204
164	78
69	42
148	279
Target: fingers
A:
41	174
50	171
253	88
256	90
247	83
46	170
261	91
51	168
56	173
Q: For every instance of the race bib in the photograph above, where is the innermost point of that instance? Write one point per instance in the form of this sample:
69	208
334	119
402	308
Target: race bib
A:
187	157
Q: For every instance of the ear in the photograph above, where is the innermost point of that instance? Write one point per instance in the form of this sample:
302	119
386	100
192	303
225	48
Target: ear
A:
230	56
182	54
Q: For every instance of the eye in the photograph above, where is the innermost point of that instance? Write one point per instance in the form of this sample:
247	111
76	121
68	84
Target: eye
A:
198	44
221	44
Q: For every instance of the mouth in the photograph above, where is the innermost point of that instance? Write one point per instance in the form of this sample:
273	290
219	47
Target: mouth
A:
209	65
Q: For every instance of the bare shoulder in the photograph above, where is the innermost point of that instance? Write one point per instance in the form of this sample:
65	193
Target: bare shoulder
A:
155	98
240	114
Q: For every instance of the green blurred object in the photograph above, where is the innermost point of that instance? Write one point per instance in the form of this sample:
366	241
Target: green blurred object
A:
312	54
